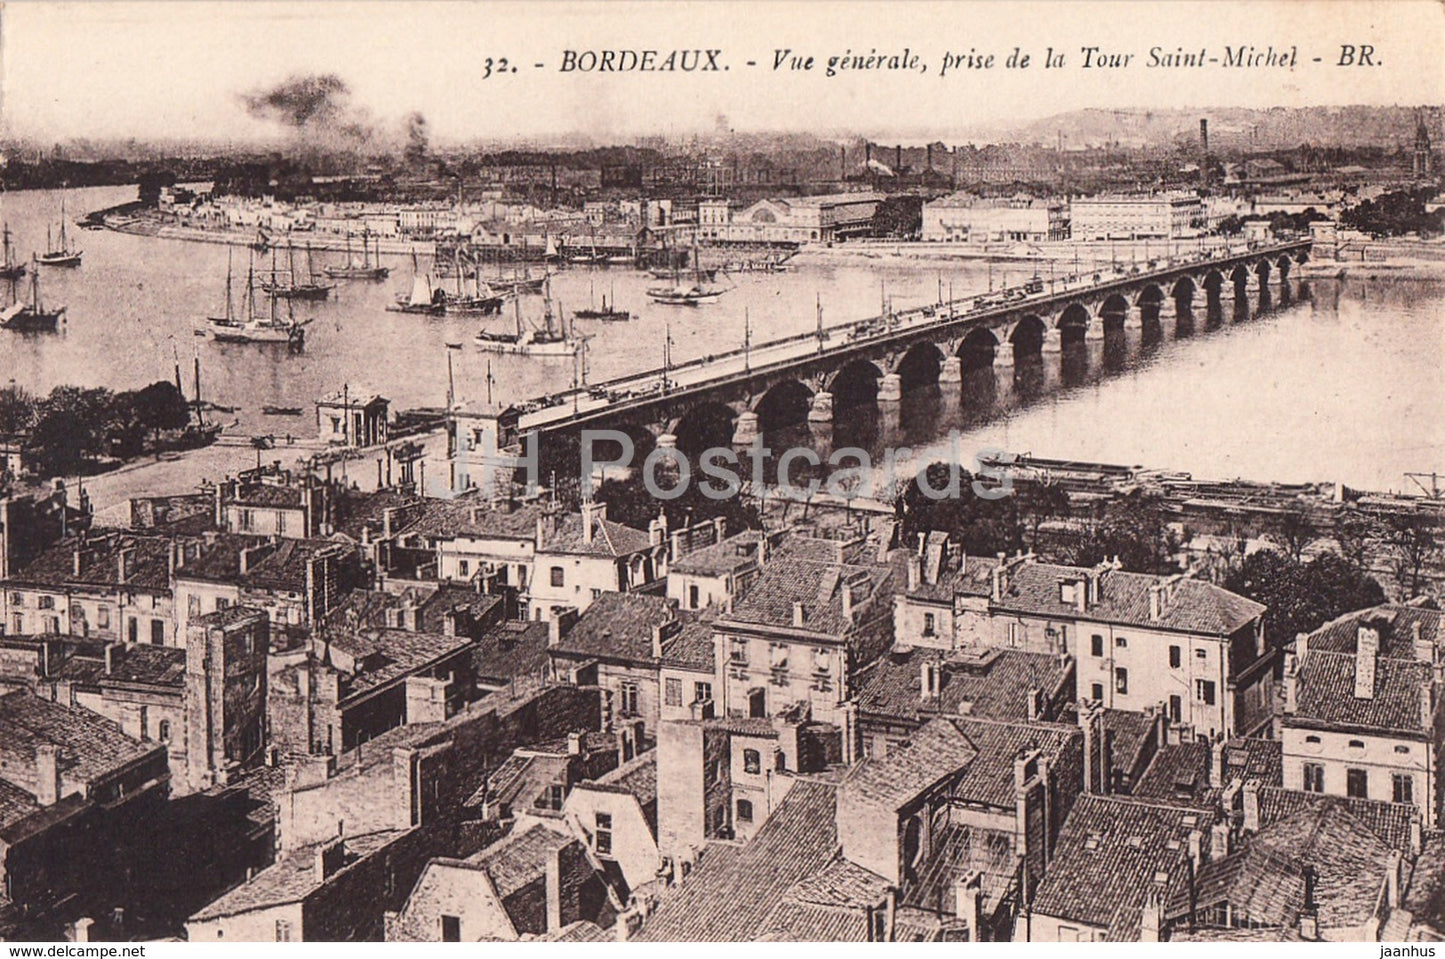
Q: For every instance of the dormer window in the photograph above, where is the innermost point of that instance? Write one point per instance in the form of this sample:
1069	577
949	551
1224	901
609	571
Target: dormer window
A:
1068	593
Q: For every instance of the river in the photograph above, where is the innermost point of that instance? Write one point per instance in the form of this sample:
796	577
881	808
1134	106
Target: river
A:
1344	384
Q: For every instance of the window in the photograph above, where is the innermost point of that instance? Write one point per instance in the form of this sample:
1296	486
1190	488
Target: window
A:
102	617
283	930
193	605
559	576
132	630
1357	784
745	811
779	656
1175	657
739	653
928	624
672	692
1176	709
1402	788
752	761
711	772
46	602
701	692
281	524
1121	681
19	624
1096	693
158	632
693	599
163	731
464	568
1312	740
603	840
17	599
451	929
552	798
222	602
1015	634
1120	642
1201	653
1096	645
1357	744
1204	691
245	521
1314	778
627	697
1402	750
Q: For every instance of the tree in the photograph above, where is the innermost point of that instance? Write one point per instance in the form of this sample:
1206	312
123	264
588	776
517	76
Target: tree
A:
1353	532
1302	597
18	408
159	407
982	526
1414	543
1038	504
1292	530
1135	529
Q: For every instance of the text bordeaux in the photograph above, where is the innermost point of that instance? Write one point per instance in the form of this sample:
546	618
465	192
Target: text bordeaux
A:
642	61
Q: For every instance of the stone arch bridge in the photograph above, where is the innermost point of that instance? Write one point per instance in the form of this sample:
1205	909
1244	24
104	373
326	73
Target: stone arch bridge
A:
876	360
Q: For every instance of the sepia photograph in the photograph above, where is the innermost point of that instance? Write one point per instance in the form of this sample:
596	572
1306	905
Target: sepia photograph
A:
684	470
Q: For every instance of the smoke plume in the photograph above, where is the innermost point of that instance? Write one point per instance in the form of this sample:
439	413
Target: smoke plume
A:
318	112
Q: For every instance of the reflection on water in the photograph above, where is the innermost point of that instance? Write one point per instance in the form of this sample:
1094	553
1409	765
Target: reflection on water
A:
1326	379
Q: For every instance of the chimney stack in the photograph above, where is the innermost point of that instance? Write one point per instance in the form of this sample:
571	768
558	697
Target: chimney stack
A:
1423	648
930	679
1216	764
1251	806
574	744
1367	651
967	891
848	609
110	658
47	774
799	615
657	630
915	571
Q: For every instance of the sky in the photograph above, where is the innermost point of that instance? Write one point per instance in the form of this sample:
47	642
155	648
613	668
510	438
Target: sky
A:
180	70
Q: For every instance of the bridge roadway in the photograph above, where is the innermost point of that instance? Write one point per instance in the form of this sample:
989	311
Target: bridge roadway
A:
739	378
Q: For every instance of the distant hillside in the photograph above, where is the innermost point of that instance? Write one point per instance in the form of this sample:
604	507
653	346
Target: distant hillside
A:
1229	128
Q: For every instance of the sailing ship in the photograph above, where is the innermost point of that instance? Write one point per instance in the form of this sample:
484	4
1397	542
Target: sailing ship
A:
481	301
365	270
292	289
30	317
254	327
679	293
551	339
609	312
423	298
61	255
202	432
10	268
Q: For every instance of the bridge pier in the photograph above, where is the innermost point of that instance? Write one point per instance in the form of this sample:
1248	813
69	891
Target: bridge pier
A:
1134	320
822	408
1003	356
1095	329
951	371
890	388
1053	342
745	431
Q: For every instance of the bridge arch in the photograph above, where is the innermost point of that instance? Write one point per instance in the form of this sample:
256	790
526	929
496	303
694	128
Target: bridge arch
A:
785	404
707	425
855	384
1183	289
1073	324
1150	298
1213	283
978	349
1283	266
1027	338
920	366
1263	270
1113	313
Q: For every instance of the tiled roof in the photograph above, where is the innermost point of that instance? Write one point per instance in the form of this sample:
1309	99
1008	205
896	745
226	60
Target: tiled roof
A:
936	752
138	664
1347	856
520	858
1261	886
609	539
265	495
1326	694
734	890
291	878
383	656
1195	606
636	777
691	649
15	804
956	850
1107	857
1426	897
354	511
511	650
975	578
91	746
809	922
1395	623
618	626
1390	822
1178	771
100	563
819	587
579	931
449	519
995	687
283	568
976	754
736	552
